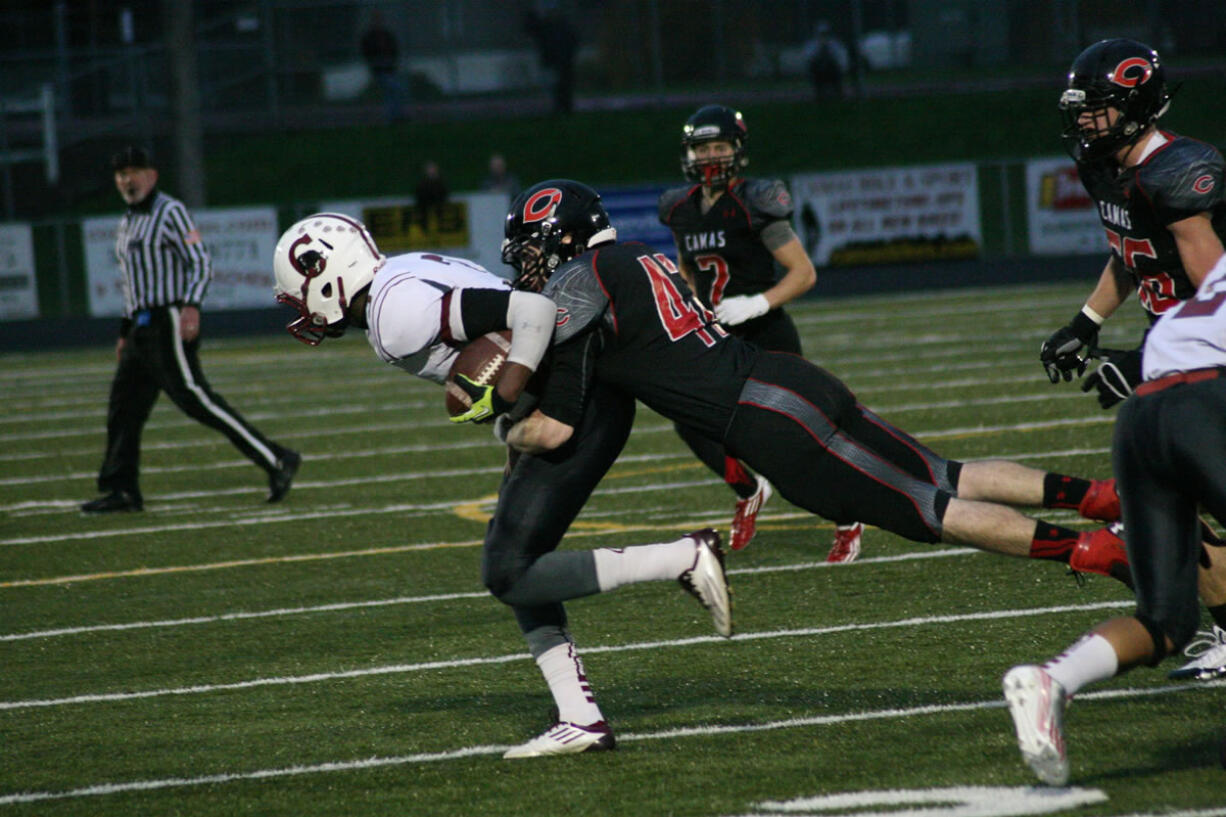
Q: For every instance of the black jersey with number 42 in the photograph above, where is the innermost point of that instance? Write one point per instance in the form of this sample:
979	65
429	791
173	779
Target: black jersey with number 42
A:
723	247
1180	179
626	315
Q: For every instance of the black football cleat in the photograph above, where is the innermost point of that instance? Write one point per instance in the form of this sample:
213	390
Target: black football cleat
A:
279	481
114	502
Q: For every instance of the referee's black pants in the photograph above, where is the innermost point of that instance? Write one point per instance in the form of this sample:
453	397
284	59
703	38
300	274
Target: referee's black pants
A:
155	359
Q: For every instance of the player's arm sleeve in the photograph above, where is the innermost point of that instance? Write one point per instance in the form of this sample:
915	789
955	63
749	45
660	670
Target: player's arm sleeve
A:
529	316
190	246
778	234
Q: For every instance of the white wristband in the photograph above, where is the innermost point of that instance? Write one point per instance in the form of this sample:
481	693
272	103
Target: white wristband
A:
1092	315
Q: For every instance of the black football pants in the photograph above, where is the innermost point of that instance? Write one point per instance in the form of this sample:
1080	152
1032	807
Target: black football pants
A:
1169	457
537	502
801	428
774	332
154	360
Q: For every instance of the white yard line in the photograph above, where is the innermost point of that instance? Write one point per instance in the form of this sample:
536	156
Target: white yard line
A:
455	663
117	787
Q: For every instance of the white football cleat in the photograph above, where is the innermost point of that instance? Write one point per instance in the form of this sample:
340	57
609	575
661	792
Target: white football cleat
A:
1208	654
707	581
846	545
745	520
566	739
1036	702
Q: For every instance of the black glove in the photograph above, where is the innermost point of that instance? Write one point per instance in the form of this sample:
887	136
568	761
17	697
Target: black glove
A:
1116	377
1068	347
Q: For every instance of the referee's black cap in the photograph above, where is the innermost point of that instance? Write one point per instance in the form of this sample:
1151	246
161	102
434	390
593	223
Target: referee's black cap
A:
132	156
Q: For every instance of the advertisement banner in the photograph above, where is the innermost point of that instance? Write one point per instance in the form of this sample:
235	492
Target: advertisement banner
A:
1062	216
635	212
469	225
889	215
18	291
240	240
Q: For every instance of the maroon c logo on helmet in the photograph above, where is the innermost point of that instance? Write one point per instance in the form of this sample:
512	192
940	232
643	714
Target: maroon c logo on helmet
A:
1125	75
309	263
541	204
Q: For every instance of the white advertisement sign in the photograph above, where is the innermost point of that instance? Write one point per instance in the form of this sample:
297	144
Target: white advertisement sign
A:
468	225
240	240
890	215
18	291
1062	216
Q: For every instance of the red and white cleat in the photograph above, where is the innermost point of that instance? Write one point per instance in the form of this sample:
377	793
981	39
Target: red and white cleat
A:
846	545
745	521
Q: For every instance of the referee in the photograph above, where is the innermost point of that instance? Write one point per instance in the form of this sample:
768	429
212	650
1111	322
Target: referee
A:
166	270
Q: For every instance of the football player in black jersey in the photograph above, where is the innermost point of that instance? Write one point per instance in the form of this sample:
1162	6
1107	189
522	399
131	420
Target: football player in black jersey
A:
730	233
627	320
1161	198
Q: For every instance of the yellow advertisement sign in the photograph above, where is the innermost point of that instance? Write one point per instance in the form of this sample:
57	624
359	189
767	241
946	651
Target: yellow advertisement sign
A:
409	228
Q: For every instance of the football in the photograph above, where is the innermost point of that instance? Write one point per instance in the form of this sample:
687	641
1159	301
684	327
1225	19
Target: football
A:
480	361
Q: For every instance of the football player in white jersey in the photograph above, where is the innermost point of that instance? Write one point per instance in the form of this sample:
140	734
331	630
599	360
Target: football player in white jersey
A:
418	310
1167	457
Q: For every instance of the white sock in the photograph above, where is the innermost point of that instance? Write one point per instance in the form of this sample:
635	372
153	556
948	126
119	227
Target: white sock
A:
643	563
1090	659
567	681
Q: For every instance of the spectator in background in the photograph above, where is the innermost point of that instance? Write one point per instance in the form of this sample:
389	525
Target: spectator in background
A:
500	180
381	52
827	62
557	44
431	194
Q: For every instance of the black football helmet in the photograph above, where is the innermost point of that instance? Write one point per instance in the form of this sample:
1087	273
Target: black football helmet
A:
550	223
709	124
1121	74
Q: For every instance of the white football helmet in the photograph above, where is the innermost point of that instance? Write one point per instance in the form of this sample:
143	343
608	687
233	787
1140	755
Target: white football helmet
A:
321	263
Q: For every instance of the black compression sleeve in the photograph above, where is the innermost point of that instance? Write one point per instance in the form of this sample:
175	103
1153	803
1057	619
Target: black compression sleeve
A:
483	310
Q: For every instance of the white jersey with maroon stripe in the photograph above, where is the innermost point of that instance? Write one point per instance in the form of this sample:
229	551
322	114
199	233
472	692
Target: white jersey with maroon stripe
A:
413	313
1193	335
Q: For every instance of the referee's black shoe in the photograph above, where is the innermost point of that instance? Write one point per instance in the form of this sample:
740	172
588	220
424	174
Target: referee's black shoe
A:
280	480
114	502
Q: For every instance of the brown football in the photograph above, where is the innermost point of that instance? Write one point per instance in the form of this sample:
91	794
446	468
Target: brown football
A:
480	361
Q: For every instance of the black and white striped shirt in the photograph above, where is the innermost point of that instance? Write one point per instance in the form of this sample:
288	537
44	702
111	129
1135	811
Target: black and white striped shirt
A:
161	256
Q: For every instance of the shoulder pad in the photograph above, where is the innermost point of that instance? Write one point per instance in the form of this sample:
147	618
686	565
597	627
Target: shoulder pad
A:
1187	176
767	199
580	300
669	199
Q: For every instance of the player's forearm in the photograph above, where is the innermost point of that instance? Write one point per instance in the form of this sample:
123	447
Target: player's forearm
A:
1108	293
538	433
796	282
799	278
